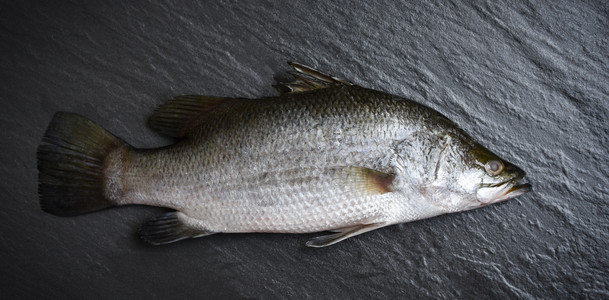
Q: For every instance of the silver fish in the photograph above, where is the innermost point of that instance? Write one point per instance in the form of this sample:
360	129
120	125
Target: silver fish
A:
325	155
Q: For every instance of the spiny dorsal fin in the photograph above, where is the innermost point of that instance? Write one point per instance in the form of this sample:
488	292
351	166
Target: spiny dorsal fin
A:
307	79
178	116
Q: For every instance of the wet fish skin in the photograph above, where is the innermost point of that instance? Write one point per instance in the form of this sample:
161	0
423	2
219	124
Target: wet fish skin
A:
282	166
324	155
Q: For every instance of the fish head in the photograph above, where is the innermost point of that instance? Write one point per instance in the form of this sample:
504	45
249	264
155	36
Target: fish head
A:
485	178
507	184
466	175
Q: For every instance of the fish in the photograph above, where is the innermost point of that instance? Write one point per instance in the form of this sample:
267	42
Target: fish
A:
325	155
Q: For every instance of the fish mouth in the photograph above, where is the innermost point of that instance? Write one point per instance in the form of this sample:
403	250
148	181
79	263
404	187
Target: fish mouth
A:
497	192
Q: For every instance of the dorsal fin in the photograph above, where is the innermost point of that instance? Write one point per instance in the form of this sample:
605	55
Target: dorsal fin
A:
178	116
307	79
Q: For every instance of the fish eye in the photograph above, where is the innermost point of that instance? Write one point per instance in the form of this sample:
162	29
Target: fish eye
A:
494	167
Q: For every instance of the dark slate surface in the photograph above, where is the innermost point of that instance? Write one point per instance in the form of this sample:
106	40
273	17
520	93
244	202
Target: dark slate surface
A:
529	80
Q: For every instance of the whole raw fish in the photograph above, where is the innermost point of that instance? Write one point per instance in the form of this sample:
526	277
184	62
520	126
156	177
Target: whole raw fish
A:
325	155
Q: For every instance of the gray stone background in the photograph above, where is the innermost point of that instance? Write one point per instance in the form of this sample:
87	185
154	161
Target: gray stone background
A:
528	79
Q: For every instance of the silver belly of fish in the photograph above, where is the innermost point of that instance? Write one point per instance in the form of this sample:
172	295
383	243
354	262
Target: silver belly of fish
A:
324	155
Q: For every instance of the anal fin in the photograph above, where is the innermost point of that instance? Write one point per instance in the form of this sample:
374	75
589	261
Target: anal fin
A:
342	234
168	228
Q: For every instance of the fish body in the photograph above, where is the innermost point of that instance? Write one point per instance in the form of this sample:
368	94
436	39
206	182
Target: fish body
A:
324	155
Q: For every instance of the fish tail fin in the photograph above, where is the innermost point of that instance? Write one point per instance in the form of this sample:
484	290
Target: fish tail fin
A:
71	165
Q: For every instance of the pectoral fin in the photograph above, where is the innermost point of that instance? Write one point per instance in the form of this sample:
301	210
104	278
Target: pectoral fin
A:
170	227
342	234
367	180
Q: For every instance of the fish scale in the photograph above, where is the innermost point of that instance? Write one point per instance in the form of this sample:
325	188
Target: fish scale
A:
214	194
324	155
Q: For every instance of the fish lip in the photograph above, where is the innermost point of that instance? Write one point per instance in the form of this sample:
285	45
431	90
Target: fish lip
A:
513	188
517	190
522	188
517	186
